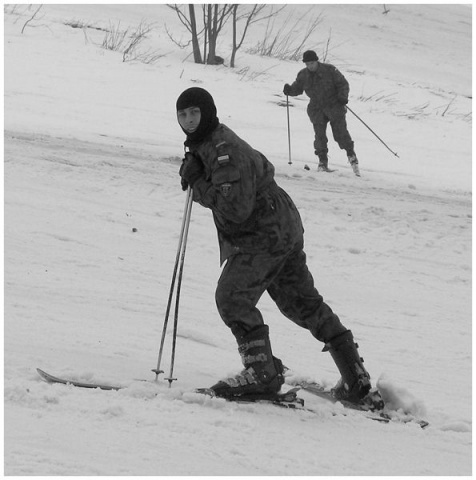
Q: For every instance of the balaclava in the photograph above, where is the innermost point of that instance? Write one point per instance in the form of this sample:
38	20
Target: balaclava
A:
198	97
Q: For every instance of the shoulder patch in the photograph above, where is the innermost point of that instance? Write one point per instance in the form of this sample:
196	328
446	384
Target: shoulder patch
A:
222	155
223	159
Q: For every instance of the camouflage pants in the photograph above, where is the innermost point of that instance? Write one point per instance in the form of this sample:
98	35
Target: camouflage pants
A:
288	281
336	117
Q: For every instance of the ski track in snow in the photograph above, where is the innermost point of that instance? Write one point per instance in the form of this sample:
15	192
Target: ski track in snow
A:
92	214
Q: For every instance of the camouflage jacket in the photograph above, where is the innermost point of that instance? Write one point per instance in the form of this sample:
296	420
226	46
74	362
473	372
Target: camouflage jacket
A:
326	87
251	213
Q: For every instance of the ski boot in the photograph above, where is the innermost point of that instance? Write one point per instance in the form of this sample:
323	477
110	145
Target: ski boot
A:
323	164
323	168
263	373
354	163
354	384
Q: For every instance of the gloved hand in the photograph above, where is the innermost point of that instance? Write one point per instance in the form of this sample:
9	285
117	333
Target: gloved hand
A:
287	89
191	170
343	101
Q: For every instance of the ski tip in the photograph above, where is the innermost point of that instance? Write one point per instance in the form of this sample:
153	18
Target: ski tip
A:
42	374
48	377
52	379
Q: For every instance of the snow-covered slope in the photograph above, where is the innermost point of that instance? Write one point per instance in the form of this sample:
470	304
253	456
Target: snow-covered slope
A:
92	150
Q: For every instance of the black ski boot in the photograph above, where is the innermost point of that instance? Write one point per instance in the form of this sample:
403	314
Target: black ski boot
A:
263	373
355	382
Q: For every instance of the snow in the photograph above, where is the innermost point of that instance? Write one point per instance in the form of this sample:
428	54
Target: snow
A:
92	149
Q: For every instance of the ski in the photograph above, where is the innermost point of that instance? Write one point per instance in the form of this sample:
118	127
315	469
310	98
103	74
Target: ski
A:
373	407
375	404
287	400
52	379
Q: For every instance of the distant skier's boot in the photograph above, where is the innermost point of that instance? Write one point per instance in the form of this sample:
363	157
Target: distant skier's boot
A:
263	373
323	163
355	382
354	163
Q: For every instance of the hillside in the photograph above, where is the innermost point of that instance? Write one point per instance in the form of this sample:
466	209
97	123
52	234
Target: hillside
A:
92	150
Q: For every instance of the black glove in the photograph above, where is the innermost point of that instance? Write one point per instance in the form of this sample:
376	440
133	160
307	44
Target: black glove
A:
343	101
287	89
191	170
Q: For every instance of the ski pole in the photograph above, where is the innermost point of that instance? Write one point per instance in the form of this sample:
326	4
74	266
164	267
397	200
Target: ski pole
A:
185	221
351	111
289	130
179	286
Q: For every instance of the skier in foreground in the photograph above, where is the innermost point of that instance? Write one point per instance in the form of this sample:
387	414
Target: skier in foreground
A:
261	239
328	91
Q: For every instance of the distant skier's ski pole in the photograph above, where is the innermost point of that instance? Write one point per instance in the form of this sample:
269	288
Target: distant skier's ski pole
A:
289	130
351	111
179	262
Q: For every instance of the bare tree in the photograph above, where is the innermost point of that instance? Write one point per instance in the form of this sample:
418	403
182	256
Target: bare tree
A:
214	18
190	23
250	17
197	56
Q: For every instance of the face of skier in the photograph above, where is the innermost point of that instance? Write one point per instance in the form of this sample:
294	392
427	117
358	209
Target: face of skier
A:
312	66
189	118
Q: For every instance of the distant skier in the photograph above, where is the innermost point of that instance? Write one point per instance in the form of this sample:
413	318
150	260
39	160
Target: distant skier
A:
328	91
261	240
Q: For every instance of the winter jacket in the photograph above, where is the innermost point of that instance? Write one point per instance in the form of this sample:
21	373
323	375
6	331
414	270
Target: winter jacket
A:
251	213
326	87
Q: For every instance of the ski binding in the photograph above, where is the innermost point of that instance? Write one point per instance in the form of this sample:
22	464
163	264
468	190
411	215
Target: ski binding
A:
288	399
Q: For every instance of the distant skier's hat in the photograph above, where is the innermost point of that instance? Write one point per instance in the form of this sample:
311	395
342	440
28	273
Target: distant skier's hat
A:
199	97
310	56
